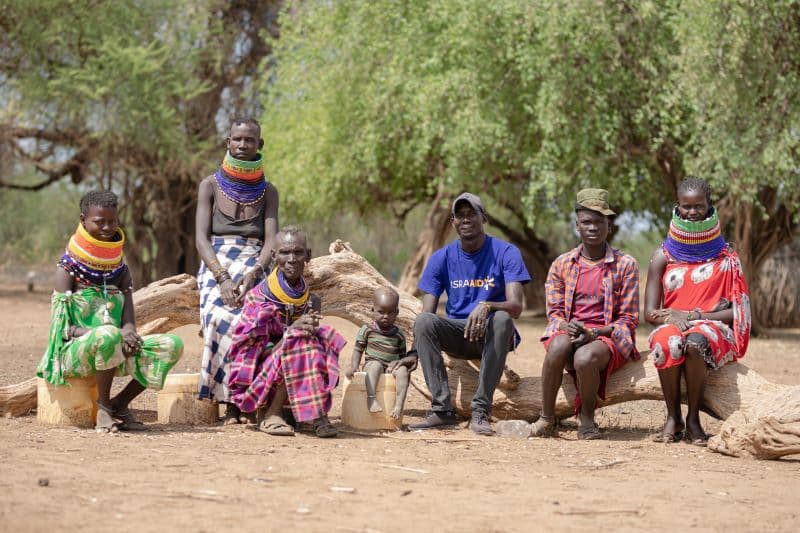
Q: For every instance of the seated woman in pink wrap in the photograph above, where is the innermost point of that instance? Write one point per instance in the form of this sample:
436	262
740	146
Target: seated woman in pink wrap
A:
279	353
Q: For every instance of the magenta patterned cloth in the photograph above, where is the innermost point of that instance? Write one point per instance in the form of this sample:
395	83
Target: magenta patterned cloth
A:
264	354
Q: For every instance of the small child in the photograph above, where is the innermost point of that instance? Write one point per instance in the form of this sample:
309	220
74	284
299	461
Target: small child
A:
385	346
92	329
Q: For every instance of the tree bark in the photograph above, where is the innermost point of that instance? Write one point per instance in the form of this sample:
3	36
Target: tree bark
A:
18	399
430	239
756	237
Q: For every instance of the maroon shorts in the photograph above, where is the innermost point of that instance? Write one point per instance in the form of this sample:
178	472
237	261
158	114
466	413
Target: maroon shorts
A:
616	362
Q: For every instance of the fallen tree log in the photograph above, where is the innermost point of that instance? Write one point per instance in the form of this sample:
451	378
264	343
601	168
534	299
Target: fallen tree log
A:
18	399
346	281
767	428
167	304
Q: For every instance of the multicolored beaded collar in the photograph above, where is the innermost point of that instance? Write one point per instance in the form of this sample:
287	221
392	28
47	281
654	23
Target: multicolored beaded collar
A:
93	260
694	242
241	181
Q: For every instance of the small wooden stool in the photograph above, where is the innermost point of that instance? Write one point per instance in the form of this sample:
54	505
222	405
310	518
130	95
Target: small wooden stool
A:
354	404
73	404
177	402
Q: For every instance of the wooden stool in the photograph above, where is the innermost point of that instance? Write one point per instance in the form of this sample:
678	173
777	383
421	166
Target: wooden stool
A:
177	402
354	404
73	404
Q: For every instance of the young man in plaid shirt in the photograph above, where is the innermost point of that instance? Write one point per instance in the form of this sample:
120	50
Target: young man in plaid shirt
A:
592	312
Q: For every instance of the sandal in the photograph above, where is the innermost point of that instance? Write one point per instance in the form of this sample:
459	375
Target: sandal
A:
668	438
544	427
104	422
589	432
324	429
247	418
128	422
701	440
276	427
232	414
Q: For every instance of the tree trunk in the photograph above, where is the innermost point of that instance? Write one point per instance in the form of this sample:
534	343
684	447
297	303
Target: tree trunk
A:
431	238
756	236
776	291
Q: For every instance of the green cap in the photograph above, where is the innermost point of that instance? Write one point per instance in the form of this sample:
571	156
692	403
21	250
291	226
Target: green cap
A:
594	199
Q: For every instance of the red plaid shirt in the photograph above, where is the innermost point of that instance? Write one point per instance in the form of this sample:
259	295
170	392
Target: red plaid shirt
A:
621	292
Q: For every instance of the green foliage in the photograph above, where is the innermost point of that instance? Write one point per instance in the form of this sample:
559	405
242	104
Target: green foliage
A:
605	106
379	102
740	72
117	69
388	99
24	241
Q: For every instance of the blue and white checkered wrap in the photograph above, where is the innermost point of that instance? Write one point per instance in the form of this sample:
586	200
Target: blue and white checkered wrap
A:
237	255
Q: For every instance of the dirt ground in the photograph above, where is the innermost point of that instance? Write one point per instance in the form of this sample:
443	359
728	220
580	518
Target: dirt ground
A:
215	479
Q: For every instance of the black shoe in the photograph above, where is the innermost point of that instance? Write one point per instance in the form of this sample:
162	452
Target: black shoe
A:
435	419
480	423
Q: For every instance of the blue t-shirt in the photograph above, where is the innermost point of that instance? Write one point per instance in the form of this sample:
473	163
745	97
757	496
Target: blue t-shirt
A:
469	278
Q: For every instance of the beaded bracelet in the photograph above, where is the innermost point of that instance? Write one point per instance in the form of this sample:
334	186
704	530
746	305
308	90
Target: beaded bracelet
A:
222	275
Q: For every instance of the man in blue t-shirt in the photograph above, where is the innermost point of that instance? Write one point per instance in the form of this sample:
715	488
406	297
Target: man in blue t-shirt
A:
483	278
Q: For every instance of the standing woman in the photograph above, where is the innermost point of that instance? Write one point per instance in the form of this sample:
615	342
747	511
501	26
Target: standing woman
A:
697	296
237	213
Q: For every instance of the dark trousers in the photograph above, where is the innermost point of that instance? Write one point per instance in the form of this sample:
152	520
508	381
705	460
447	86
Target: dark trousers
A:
434	334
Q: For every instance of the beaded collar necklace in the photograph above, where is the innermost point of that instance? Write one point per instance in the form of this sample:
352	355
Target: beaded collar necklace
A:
291	301
93	261
240	181
694	242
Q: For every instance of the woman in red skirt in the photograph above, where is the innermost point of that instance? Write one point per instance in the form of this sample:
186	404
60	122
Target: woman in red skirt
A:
697	296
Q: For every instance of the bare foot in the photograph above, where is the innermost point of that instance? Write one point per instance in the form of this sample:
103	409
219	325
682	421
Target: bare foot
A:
397	412
373	405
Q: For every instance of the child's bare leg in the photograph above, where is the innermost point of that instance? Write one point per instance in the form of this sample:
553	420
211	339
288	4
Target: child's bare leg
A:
401	383
374	369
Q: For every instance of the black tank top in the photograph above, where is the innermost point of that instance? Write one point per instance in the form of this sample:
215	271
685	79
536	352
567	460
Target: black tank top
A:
223	225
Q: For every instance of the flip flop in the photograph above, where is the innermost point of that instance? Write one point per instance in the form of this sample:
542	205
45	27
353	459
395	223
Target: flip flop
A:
231	416
544	427
669	438
128	422
104	422
276	428
589	433
701	441
247	418
324	429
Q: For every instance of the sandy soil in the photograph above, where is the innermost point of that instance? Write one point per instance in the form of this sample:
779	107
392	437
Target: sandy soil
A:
215	479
